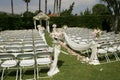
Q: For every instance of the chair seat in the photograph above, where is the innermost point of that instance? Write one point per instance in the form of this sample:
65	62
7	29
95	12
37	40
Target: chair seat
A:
41	61
111	50
102	51
9	63
30	62
82	43
118	48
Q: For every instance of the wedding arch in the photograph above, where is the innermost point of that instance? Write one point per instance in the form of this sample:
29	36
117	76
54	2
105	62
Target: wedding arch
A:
39	17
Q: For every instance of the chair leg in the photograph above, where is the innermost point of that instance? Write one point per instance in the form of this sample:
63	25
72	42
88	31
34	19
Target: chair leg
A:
116	56
17	74
37	72
20	73
2	73
107	58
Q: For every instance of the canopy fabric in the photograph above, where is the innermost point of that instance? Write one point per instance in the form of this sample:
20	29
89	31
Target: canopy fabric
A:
41	16
76	46
80	47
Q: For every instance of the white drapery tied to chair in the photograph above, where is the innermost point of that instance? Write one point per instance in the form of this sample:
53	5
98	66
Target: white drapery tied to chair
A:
93	58
54	68
79	47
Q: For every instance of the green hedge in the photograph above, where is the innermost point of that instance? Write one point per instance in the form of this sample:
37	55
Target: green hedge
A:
12	23
80	21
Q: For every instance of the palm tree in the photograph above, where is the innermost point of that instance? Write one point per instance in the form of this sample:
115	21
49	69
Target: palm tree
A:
59	7
45	6
26	1
39	5
12	7
54	6
114	7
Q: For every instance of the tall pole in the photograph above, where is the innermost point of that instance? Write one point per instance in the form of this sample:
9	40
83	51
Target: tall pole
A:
45	6
54	6
12	7
39	5
59	11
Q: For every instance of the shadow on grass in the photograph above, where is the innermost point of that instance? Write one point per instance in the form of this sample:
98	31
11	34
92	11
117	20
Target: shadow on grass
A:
60	63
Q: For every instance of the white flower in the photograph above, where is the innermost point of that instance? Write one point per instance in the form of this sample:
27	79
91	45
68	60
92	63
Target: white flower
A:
97	33
65	27
57	34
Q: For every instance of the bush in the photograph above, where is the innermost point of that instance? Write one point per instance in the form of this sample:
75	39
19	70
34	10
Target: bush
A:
17	22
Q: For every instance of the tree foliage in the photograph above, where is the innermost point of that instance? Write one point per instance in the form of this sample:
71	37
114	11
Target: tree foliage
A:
114	7
28	14
100	9
87	12
26	1
68	12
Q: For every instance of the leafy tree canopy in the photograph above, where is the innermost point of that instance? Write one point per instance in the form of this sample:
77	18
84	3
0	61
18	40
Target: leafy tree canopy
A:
100	9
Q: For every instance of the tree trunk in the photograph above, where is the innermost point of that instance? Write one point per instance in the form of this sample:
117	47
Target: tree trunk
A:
27	6
12	7
45	6
116	24
54	6
39	5
59	7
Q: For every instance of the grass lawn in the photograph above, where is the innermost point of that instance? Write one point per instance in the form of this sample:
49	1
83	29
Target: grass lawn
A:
72	69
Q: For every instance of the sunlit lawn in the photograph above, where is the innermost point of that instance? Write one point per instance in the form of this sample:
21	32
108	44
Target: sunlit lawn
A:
71	69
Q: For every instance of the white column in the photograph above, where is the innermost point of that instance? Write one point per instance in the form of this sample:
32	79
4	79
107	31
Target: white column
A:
54	27
34	23
47	25
40	22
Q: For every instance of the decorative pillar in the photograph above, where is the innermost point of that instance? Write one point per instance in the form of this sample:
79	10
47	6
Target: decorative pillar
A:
34	24
40	22
54	27
47	25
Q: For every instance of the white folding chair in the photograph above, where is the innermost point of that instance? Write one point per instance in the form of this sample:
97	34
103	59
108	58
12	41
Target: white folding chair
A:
8	61
43	60
41	47
102	50
113	49
26	60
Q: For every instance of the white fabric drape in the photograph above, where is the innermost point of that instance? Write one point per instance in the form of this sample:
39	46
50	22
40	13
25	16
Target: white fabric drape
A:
79	47
54	69
76	46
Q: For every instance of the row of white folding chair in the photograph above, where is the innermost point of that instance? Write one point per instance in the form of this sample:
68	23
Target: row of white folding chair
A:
25	47
106	49
25	60
8	61
39	59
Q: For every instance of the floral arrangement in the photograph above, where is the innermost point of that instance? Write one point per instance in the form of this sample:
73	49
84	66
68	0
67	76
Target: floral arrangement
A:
65	27
97	33
57	35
